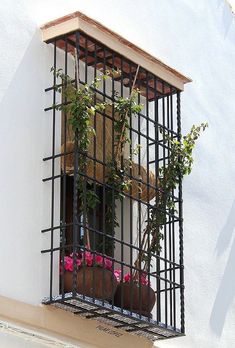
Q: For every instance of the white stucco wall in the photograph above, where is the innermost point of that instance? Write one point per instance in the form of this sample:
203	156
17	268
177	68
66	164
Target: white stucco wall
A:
198	38
18	336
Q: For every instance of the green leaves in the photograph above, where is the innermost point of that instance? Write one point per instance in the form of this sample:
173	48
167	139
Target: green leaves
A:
125	107
82	108
92	199
180	164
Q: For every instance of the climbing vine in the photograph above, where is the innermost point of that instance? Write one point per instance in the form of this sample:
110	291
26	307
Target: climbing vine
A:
117	179
180	164
81	108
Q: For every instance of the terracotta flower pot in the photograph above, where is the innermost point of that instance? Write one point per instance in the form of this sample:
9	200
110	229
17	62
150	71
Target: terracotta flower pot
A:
94	282
138	300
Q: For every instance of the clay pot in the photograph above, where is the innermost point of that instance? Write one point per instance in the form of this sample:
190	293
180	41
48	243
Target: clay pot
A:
137	300
93	282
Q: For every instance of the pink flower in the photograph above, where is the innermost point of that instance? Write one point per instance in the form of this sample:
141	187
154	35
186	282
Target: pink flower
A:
117	274
89	262
108	264
87	255
99	260
127	278
144	280
79	262
88	258
68	263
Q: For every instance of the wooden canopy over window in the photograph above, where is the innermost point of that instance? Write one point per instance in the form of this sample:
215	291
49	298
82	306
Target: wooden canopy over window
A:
78	21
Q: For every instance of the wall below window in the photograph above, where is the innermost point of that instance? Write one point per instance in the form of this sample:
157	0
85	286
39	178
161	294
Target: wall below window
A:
50	326
197	38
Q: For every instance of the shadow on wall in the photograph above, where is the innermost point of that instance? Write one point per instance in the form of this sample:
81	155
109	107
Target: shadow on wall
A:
226	290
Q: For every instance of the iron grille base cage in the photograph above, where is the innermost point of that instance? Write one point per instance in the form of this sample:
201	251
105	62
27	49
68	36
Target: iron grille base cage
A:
116	317
161	109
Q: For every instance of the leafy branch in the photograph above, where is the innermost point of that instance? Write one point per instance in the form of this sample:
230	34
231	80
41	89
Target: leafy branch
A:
116	174
81	108
180	164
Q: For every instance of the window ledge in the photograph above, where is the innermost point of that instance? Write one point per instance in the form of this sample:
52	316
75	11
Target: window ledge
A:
51	321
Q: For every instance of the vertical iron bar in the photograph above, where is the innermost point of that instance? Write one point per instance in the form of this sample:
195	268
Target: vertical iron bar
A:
130	199
64	178
53	174
113	156
147	153
76	234
169	127
165	227
86	231
173	226
122	234
139	193
94	173
181	247
104	240
158	268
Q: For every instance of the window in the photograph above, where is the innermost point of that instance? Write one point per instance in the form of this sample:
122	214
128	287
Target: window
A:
109	275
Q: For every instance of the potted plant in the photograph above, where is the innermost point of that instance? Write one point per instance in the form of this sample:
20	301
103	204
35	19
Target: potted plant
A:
94	275
134	290
134	294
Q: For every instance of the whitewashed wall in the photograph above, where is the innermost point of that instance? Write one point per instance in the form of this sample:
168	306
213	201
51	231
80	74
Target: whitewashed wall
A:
196	37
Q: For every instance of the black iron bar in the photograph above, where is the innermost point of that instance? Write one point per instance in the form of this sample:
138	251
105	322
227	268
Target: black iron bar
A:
56	106
94	172
52	173
181	247
113	156
126	264
147	158
138	180
76	230
156	111
124	193
164	227
173	229
104	239
118	241
84	214
122	232
64	179
169	126
130	199
140	233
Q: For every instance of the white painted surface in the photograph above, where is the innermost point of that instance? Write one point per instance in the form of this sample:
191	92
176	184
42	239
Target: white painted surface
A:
197	38
12	336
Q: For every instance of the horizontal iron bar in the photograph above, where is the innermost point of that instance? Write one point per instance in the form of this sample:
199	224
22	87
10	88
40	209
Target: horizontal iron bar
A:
69	246
116	190
122	263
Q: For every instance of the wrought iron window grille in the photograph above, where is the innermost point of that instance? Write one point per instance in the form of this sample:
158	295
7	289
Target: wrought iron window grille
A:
161	110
